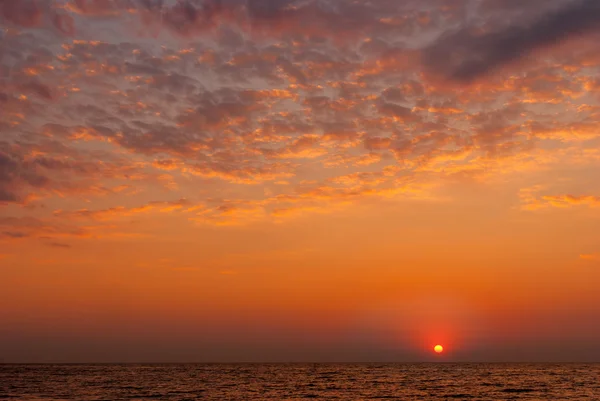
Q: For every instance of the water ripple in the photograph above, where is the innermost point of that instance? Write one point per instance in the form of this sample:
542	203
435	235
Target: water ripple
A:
181	382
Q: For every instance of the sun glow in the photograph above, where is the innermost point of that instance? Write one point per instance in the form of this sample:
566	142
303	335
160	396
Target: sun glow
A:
438	349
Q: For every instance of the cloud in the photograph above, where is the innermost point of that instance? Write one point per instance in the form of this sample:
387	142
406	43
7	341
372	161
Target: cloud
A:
273	18
121	211
467	54
313	197
50	168
572	200
241	173
58	245
15	174
531	200
578	131
270	17
33	13
591	257
97	8
305	147
18	228
230	213
400	113
21	12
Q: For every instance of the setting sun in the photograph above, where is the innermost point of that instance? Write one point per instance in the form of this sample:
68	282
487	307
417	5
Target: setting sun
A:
438	349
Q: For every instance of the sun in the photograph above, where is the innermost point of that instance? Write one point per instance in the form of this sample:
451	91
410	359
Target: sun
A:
438	349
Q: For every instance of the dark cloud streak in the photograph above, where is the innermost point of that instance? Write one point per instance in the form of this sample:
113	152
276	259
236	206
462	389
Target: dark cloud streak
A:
464	56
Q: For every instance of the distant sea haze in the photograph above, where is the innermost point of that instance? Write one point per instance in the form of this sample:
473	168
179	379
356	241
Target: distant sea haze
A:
179	382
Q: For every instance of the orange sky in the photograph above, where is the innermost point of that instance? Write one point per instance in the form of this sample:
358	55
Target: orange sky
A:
253	180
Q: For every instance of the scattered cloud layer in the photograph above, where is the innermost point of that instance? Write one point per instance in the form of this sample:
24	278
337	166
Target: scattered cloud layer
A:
257	110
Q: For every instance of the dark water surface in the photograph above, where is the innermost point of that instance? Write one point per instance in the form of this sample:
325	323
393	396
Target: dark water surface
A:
301	381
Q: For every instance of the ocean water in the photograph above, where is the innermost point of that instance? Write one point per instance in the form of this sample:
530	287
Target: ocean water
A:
301	381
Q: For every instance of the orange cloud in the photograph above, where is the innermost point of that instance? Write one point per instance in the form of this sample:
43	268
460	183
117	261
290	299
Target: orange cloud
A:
121	211
592	257
571	200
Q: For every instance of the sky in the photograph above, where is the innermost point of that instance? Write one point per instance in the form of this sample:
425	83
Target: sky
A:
299	180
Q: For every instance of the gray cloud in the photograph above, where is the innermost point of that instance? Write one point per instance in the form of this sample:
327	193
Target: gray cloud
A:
14	173
464	55
21	12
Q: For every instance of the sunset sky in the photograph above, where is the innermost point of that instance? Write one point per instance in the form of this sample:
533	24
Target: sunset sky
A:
299	180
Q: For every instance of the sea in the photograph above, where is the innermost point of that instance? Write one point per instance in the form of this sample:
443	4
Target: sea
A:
179	382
